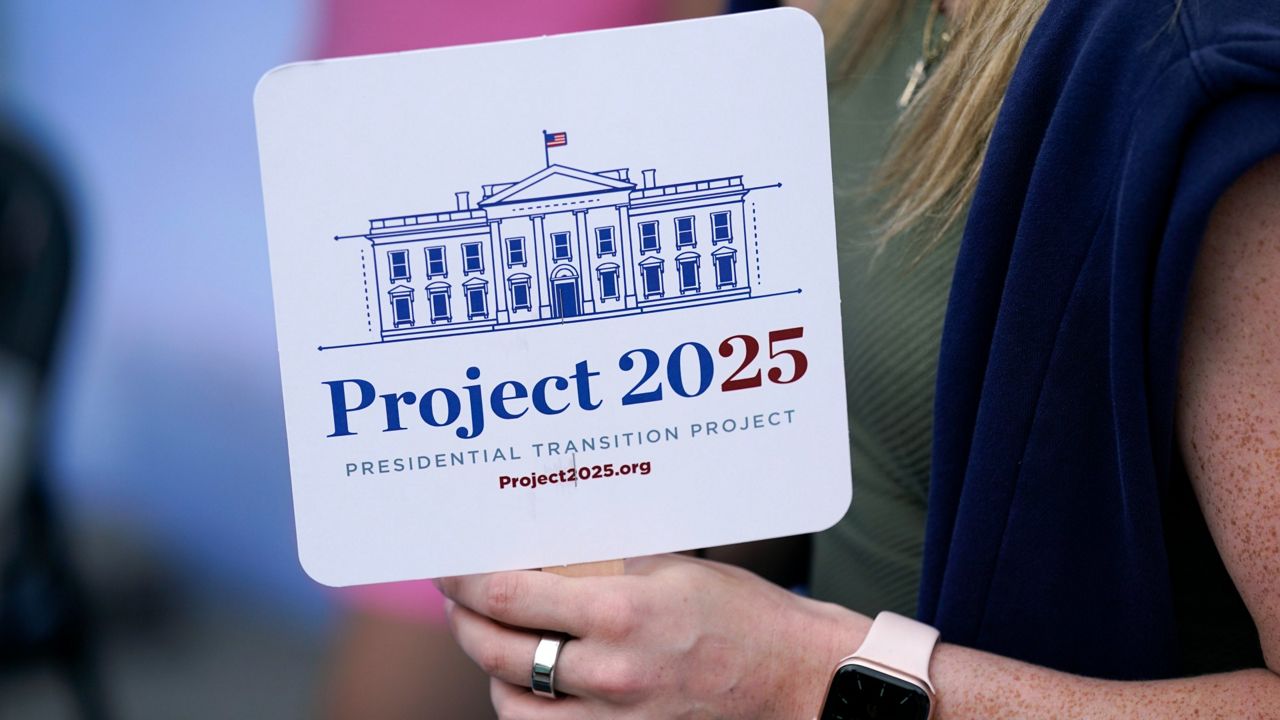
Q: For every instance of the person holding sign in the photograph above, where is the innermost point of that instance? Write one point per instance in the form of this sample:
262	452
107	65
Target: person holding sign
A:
1092	526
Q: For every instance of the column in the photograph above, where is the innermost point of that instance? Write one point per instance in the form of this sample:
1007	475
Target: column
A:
377	286
498	272
627	253
748	245
540	262
585	265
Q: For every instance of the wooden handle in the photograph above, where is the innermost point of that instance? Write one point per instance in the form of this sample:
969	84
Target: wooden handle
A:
605	567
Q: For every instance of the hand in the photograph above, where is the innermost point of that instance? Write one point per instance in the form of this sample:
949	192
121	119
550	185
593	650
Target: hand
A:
676	637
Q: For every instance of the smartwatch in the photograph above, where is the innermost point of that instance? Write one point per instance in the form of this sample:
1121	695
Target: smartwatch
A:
887	677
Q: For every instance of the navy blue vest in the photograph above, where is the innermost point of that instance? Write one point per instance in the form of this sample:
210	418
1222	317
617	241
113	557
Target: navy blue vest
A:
1054	453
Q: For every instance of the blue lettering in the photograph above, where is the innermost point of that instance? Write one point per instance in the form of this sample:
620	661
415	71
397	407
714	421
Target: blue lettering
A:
477	407
540	394
499	399
444	407
338	398
452	405
393	401
582	379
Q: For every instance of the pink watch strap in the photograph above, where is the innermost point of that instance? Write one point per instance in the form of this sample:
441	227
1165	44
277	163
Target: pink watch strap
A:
901	644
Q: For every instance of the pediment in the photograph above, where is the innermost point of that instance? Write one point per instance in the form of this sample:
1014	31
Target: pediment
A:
555	182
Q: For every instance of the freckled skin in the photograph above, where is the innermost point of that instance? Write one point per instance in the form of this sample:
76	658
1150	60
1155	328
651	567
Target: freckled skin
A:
1228	427
1230	386
685	638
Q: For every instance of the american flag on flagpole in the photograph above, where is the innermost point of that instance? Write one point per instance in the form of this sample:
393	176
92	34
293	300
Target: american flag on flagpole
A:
555	139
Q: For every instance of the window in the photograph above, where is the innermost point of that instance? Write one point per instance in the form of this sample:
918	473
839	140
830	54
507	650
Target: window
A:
476	292
720	231
438	300
649	237
608	282
401	307
515	251
684	232
477	306
726	271
399	262
687	269
520	299
435	262
651	277
604	242
560	248
472	260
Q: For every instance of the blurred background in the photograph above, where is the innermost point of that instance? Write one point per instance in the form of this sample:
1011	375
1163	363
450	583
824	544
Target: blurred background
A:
147	561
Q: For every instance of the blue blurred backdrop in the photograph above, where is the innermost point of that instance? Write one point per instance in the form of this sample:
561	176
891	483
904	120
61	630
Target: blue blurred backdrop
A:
167	413
163	435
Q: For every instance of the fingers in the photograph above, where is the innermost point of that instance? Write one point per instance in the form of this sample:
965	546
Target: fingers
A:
507	654
518	703
584	669
580	607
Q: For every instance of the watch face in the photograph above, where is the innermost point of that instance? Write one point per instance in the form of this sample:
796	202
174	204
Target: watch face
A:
860	693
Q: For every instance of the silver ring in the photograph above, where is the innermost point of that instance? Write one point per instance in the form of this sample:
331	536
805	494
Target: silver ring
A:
543	677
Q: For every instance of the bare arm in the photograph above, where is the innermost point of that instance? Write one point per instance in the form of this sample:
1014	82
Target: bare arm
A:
1229	431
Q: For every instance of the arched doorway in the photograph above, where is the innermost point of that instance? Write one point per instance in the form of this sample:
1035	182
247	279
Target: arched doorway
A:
566	292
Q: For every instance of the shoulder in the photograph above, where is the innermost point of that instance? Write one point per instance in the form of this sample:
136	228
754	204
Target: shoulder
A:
1228	416
1235	292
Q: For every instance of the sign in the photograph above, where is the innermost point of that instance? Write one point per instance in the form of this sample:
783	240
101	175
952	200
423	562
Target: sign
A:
556	300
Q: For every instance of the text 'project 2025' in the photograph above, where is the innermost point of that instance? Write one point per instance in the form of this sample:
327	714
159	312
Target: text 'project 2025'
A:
688	371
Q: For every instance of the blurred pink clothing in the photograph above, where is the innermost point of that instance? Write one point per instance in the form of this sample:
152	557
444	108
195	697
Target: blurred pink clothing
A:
361	27
412	600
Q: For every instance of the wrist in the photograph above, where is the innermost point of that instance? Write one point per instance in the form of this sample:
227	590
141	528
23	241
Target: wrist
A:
824	634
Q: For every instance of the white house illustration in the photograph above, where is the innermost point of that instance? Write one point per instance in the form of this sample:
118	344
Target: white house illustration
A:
562	245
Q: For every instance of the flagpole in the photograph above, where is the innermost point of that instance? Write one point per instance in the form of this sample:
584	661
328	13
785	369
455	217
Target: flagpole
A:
546	152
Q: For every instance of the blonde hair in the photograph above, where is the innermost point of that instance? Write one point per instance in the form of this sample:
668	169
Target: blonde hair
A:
930	169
